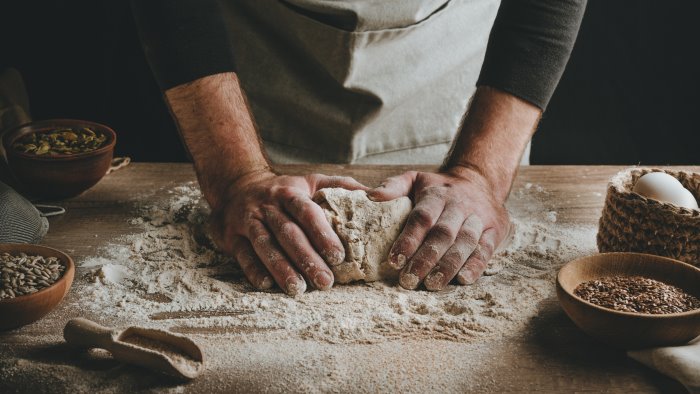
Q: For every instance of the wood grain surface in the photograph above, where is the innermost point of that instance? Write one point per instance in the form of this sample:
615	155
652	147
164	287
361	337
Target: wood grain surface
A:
554	355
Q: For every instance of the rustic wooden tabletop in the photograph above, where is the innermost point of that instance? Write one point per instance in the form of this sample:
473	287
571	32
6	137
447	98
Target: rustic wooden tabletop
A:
553	356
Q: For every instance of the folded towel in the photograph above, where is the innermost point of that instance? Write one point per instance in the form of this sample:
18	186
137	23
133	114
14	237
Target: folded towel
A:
681	363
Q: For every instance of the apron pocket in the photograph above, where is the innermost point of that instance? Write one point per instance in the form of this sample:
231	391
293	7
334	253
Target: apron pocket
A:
367	16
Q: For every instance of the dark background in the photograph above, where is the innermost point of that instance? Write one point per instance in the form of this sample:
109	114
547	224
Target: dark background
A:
630	94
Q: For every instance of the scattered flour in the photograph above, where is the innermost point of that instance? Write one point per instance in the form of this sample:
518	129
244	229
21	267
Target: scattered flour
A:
168	275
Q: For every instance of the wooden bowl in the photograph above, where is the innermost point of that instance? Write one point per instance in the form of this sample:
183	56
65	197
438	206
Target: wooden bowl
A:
625	329
22	310
58	176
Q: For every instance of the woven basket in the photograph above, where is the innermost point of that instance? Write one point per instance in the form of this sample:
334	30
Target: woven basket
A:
633	223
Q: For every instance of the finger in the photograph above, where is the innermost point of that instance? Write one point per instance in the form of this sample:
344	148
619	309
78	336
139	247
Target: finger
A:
478	261
252	267
393	187
274	260
313	221
455	257
298	248
438	240
419	222
345	182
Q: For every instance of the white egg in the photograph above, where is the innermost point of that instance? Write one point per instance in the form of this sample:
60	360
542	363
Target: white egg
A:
663	187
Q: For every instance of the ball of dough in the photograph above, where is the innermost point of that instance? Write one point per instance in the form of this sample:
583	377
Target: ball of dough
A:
367	229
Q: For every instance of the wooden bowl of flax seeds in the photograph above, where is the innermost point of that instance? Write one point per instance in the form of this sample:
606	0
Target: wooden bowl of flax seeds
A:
33	281
632	300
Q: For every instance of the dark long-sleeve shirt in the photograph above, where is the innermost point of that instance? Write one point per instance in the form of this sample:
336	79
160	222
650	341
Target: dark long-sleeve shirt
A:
528	48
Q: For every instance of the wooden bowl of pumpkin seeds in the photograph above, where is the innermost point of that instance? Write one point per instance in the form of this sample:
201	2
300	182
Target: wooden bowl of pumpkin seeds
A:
60	158
33	281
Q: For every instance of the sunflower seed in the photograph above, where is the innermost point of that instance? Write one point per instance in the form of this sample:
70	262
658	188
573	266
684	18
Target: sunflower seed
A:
22	274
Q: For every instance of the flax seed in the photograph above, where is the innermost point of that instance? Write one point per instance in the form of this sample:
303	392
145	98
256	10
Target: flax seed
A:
636	294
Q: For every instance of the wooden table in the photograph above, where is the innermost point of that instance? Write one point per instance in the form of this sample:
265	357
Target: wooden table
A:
553	357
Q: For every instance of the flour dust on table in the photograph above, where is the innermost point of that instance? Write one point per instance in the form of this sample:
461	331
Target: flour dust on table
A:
167	274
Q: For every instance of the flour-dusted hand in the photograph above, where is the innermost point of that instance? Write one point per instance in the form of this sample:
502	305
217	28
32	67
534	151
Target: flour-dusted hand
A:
269	223
453	230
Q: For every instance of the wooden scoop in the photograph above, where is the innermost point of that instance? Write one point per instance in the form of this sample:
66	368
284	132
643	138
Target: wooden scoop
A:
158	350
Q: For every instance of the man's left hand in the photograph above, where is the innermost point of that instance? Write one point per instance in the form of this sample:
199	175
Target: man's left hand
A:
453	230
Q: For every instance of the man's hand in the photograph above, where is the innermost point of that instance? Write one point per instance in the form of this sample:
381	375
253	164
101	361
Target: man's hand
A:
459	216
275	231
266	221
453	230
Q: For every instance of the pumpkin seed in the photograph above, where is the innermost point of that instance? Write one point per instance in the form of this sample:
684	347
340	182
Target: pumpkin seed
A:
68	141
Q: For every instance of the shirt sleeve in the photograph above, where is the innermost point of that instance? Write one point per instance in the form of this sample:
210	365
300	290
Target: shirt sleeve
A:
183	40
529	46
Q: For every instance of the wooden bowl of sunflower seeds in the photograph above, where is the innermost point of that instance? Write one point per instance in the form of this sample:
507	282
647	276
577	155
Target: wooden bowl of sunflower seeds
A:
632	300
33	281
59	158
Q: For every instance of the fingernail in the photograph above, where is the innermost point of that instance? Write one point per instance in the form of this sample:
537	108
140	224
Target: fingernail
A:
409	281
335	257
467	277
295	286
266	283
397	260
323	281
434	281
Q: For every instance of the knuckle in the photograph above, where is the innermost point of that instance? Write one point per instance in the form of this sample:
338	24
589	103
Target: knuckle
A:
254	229
474	222
468	236
404	245
442	232
284	192
305	212
435	192
287	229
481	253
486	250
421	217
263	241
476	264
454	259
297	204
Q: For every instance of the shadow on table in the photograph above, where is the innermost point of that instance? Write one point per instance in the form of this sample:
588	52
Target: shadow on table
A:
558	337
63	367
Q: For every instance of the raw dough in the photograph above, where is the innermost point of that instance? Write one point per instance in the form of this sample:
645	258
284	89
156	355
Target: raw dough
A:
367	229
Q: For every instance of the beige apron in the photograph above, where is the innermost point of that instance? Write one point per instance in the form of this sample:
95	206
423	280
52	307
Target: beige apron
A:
355	81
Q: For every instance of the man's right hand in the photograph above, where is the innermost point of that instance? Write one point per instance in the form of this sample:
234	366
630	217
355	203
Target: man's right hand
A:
266	221
269	223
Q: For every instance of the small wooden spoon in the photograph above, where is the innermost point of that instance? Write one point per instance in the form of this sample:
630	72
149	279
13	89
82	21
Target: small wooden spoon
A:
158	350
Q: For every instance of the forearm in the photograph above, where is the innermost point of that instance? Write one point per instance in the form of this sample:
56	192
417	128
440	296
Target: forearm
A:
492	139
218	130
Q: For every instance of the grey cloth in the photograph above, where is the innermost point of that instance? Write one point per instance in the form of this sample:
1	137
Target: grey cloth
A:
330	92
20	221
681	363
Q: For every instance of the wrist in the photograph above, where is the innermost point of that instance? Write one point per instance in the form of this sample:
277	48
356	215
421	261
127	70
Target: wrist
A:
493	137
219	186
219	132
498	184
